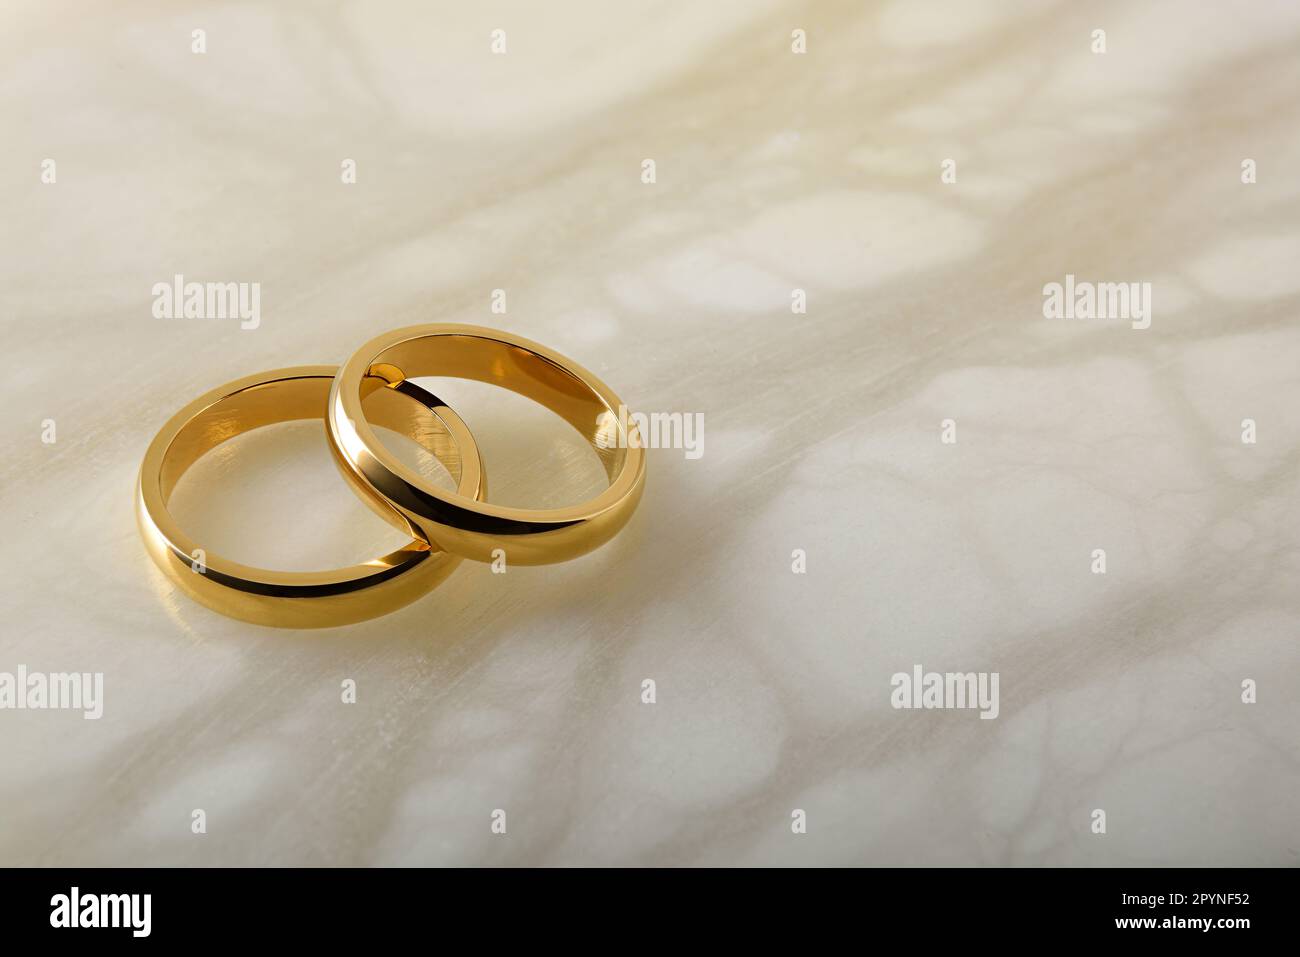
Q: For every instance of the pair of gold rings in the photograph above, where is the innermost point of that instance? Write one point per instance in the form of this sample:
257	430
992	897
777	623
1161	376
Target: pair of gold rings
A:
373	388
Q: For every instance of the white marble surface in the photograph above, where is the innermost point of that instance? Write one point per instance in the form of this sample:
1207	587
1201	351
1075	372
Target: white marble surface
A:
775	171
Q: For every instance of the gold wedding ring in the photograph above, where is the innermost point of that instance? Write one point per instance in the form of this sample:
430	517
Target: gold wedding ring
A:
374	389
455	521
297	599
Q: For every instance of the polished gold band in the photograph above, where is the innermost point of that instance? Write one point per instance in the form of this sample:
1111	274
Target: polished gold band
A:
456	521
298	599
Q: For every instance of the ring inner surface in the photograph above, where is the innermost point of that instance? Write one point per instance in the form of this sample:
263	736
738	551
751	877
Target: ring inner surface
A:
288	400
519	370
